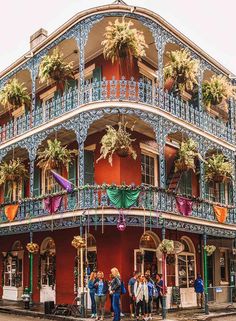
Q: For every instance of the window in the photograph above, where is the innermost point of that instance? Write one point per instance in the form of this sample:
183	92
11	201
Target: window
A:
49	183
47	262
186	264
13	191
148	75
13	267
185	184
148	169
223	266
219	192
89	167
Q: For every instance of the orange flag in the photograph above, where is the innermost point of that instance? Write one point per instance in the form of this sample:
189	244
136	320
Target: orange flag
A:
221	213
11	211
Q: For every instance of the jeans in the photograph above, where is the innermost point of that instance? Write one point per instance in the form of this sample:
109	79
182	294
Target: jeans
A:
100	304
140	305
93	303
116	306
158	301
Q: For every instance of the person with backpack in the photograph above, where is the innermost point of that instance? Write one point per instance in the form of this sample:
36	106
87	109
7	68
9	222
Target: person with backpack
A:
92	293
115	290
101	290
159	285
141	297
150	285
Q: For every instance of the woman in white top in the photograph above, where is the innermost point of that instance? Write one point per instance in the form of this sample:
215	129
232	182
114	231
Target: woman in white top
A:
141	296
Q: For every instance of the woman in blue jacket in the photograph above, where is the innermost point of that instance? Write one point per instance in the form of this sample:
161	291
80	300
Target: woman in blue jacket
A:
91	287
101	289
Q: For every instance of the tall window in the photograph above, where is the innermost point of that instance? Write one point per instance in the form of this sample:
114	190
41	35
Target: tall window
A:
223	266
148	169
49	184
186	265
219	192
185	184
13	267
13	191
47	263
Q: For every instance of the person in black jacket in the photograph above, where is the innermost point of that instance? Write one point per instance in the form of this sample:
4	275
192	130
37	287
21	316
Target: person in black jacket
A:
101	290
116	291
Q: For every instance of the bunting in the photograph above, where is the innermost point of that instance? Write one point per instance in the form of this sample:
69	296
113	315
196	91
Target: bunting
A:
11	211
52	204
63	182
184	205
221	213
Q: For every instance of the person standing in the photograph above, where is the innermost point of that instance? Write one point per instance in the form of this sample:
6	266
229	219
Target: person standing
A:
115	291
159	290
131	293
101	289
199	289
92	293
141	297
150	285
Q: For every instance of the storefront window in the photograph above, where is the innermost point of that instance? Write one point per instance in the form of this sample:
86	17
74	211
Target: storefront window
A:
223	266
13	267
47	263
186	265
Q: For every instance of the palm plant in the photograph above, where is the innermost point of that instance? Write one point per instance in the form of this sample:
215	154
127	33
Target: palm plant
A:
122	41
218	168
117	140
182	69
14	94
55	155
53	68
11	173
186	156
217	90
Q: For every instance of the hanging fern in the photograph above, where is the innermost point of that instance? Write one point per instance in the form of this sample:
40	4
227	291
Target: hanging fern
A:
121	41
218	168
55	155
186	156
14	94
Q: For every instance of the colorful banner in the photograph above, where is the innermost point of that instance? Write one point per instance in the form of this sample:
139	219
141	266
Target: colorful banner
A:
221	213
52	204
122	198
184	205
63	182
11	211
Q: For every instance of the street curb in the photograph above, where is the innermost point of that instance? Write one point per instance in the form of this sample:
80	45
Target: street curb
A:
219	316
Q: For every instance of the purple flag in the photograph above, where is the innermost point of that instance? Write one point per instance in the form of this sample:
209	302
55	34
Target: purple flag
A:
65	184
184	205
52	204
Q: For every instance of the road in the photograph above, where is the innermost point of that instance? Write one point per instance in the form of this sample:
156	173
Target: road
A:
12	317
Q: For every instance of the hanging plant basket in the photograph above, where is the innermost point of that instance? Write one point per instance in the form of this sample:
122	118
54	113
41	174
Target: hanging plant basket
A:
166	246
218	169
122	152
32	247
210	249
186	156
78	242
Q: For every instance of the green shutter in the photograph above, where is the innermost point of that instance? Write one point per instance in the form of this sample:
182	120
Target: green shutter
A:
6	196
207	191
97	75
72	172
222	193
185	184
36	191
88	167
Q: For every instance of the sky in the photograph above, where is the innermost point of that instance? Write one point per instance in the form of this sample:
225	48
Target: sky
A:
209	23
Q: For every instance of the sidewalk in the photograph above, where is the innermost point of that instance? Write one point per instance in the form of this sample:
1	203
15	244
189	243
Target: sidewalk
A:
17	308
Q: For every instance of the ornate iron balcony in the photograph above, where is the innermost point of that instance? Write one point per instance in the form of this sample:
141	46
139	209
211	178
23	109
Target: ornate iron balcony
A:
151	200
117	90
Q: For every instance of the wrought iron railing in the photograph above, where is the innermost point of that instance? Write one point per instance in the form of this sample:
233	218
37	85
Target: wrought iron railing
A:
96	197
117	90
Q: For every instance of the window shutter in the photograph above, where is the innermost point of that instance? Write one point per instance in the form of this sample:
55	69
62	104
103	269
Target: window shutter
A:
222	193
97	78
72	172
36	191
88	167
97	74
6	197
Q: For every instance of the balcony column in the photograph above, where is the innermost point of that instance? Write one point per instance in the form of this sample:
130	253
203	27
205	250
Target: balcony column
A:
160	54
33	93
80	162
161	139
205	273
200	80
164	309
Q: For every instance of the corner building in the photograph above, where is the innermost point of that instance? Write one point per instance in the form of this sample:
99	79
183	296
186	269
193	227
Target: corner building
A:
102	94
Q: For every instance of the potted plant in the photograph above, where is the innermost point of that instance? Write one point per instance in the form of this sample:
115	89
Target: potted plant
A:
180	73
215	93
218	168
117	140
210	249
186	156
166	246
12	173
14	95
55	155
122	43
53	69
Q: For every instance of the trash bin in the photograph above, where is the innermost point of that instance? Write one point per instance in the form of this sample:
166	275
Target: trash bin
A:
48	307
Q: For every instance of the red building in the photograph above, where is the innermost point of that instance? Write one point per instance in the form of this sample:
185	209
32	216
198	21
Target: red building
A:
103	94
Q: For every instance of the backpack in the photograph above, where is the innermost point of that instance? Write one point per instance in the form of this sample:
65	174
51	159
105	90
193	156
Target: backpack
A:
122	288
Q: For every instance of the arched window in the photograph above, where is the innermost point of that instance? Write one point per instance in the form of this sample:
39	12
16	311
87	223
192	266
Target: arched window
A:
148	241
91	253
48	262
187	264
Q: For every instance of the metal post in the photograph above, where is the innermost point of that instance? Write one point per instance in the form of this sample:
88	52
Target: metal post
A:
31	272
205	274
82	273
164	310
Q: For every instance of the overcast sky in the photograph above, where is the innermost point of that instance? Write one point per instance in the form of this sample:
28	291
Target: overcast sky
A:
209	23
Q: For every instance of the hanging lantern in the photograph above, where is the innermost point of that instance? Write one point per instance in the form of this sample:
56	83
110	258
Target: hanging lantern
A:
78	242
121	223
32	247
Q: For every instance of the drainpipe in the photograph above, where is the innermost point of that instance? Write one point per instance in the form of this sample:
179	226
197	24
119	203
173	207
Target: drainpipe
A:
163	234
31	272
205	274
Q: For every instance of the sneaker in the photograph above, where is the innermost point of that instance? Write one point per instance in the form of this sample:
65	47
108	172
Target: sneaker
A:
93	316
122	314
132	315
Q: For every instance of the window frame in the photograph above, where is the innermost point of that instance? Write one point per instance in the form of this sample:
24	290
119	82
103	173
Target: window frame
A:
149	151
